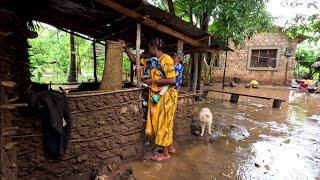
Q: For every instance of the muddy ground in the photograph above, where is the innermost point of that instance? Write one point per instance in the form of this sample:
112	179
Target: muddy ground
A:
283	143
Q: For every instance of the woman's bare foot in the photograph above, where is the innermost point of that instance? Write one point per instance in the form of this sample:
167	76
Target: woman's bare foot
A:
160	157
172	150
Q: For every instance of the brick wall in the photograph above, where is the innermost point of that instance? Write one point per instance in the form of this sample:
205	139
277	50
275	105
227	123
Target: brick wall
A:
107	128
237	61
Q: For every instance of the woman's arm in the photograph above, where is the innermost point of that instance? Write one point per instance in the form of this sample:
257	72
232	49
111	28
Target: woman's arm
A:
163	82
131	56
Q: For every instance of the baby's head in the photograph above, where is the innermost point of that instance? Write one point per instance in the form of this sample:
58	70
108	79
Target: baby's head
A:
178	57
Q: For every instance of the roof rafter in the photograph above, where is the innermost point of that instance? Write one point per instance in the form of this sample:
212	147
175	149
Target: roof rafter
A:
149	22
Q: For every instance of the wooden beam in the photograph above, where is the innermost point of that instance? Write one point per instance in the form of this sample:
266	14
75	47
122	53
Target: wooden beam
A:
138	44
206	49
149	22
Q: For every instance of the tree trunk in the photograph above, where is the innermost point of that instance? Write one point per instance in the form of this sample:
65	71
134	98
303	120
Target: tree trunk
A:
72	77
200	74
204	21
195	73
112	73
171	7
94	61
191	13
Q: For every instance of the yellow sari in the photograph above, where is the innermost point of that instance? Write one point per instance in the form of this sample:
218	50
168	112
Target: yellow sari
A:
160	115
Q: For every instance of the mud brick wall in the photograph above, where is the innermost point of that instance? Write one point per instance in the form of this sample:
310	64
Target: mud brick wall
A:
107	128
14	66
237	61
184	116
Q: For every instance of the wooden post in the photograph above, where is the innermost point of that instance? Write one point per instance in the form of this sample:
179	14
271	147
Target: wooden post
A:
286	72
191	70
94	61
200	61
131	72
138	43
195	73
224	71
180	46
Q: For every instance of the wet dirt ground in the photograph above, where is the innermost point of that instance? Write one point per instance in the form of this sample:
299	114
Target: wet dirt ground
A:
283	143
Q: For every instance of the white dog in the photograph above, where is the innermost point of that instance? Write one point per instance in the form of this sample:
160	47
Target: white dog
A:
205	117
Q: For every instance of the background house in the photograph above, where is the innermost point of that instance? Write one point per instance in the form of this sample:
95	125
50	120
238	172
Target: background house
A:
262	59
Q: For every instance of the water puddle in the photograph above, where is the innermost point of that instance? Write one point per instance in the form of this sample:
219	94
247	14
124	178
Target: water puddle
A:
278	143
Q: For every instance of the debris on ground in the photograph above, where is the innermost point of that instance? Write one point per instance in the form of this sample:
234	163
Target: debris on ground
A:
257	165
256	105
315	117
238	132
287	141
239	117
226	175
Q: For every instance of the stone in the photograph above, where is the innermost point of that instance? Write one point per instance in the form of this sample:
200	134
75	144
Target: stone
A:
82	157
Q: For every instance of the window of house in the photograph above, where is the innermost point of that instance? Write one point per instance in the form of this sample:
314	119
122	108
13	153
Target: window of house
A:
263	58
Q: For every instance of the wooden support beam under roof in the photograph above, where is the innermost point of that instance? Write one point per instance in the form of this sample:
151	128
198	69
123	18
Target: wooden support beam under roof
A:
149	22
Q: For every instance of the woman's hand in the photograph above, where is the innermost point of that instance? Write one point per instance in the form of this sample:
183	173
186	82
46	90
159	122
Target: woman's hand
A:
148	81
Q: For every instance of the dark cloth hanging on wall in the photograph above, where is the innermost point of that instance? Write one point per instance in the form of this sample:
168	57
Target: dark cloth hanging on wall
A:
53	109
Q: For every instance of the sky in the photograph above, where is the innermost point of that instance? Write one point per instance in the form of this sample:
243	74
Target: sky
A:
283	13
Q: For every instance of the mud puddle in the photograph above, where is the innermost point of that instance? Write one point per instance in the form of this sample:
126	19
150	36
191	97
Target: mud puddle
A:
283	143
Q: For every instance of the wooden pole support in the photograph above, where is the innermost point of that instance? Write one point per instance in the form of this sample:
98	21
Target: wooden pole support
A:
138	44
180	46
12	106
234	98
276	103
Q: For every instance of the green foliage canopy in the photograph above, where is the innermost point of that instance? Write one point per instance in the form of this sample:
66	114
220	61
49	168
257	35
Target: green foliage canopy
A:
232	20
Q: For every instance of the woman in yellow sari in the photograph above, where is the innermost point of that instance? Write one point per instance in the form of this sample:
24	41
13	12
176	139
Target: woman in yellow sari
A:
161	113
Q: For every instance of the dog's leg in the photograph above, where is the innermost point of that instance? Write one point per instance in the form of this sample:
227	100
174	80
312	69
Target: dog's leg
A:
203	125
209	127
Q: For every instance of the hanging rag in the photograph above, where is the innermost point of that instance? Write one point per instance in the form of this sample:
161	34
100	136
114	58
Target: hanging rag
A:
54	111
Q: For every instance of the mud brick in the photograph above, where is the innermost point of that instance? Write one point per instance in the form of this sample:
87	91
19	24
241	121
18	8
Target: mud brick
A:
128	153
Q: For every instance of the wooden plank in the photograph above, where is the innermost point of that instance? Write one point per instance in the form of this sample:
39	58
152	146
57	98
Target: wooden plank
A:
241	94
138	44
149	22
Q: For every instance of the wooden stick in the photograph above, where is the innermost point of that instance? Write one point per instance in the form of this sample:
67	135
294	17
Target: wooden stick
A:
100	92
13	99
106	107
5	33
9	84
138	43
12	106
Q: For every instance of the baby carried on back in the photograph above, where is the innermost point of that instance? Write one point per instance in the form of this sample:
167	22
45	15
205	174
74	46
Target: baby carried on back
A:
154	64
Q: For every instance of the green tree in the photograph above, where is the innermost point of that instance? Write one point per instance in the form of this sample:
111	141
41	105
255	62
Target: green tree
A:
72	77
306	55
232	20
